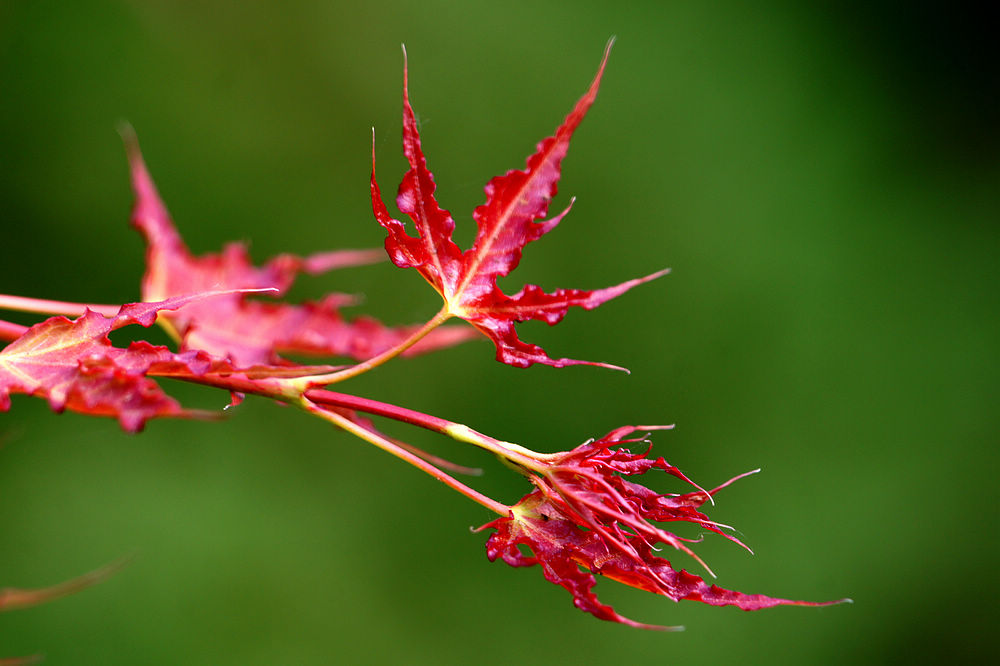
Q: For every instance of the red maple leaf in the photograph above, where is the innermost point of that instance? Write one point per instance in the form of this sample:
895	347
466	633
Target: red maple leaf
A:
507	222
74	366
585	514
245	331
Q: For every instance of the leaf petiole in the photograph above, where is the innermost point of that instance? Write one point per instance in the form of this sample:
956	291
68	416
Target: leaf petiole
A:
381	442
43	306
10	331
518	455
312	381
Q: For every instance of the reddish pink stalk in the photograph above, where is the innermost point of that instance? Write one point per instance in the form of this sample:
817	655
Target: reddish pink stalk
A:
10	331
393	449
43	306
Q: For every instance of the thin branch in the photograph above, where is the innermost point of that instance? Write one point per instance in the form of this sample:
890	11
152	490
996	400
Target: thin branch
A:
10	331
389	447
43	306
516	454
363	367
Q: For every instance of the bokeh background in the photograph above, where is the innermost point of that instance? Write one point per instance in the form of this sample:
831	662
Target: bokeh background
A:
823	182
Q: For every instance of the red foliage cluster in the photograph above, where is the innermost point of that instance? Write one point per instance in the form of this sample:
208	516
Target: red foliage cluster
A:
587	515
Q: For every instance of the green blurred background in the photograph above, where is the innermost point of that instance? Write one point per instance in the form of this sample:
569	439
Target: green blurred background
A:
823	182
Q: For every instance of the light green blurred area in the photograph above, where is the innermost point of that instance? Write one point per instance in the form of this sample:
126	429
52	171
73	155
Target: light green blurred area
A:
827	199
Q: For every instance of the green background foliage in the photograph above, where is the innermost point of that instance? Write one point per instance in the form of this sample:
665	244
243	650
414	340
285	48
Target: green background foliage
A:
822	182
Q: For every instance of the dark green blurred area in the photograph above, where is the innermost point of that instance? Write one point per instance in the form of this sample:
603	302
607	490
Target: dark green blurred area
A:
824	184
